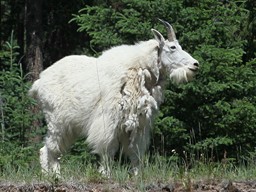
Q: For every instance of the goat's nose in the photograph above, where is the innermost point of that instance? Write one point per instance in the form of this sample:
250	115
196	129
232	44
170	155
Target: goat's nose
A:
196	64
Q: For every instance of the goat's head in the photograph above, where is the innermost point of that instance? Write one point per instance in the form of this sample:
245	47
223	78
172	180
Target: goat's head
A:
180	65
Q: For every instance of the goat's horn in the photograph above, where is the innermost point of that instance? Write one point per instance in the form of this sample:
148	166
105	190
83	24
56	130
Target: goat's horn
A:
170	32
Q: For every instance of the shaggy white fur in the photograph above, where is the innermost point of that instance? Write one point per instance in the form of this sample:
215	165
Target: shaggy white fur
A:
110	100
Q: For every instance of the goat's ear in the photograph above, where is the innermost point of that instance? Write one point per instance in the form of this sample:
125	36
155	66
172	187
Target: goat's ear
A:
158	36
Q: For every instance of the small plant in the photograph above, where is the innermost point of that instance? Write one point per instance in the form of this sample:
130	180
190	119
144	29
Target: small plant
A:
16	117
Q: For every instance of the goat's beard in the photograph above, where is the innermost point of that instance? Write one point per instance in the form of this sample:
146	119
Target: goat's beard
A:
182	75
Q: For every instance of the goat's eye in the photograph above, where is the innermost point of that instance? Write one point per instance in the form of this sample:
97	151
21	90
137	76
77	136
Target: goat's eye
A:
173	47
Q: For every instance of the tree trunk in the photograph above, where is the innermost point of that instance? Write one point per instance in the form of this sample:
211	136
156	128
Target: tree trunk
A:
251	29
34	56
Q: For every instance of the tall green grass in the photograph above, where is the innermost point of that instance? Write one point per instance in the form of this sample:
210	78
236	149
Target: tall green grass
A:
154	170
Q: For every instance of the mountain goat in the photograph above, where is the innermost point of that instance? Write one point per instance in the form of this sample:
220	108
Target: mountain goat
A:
110	100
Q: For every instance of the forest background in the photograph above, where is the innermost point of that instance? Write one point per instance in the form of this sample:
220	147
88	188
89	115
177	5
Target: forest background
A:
212	118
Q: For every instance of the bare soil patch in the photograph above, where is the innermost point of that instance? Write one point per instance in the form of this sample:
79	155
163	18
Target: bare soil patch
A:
199	186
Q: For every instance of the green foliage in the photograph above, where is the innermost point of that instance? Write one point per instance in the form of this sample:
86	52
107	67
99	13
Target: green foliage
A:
16	115
214	113
120	22
14	157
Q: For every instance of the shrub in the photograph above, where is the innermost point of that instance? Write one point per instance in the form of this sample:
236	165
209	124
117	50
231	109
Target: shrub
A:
16	115
216	112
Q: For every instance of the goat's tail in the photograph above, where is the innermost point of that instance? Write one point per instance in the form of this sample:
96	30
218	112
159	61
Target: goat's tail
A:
33	91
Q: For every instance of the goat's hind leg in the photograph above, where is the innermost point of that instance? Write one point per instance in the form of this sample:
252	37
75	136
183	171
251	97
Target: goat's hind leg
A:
136	149
49	161
51	152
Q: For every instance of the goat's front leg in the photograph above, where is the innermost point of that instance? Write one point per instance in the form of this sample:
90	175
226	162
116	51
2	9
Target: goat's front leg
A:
135	148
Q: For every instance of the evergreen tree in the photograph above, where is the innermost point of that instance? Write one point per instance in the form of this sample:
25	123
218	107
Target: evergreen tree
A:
214	114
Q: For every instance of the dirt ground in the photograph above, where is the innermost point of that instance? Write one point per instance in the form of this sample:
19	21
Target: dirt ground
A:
204	186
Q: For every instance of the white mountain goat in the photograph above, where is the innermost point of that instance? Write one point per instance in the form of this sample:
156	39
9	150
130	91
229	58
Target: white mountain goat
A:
109	100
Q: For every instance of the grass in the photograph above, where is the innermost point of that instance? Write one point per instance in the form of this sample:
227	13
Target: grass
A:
154	170
21	167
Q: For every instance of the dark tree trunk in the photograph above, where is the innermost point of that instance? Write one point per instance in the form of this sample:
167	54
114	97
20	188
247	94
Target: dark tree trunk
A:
251	38
21	27
34	55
